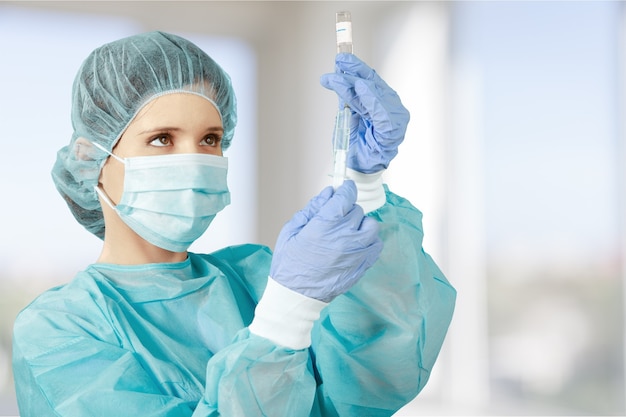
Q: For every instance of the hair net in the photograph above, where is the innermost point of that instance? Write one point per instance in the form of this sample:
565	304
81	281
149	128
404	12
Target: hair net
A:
112	85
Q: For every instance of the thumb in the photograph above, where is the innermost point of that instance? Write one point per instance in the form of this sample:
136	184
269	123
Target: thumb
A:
303	216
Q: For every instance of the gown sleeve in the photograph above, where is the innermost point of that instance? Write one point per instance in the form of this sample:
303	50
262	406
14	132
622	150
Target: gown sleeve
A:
374	347
371	349
70	359
254	375
68	363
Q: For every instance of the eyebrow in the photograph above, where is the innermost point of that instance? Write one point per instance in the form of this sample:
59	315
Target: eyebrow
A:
176	129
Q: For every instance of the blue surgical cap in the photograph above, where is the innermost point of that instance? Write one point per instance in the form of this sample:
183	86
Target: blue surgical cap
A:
111	87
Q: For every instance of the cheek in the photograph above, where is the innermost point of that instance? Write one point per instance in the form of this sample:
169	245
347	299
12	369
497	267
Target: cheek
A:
112	179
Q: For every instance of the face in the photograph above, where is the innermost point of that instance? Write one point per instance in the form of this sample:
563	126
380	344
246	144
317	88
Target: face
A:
170	124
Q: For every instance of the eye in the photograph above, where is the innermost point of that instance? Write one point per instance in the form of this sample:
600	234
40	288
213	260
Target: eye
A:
212	140
161	140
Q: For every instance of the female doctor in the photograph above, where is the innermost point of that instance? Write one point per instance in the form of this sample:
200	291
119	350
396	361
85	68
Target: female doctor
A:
345	318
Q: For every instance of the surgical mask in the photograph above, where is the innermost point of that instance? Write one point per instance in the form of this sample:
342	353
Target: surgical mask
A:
170	200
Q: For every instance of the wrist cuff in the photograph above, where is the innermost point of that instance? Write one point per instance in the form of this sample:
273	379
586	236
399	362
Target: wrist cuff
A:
371	193
285	317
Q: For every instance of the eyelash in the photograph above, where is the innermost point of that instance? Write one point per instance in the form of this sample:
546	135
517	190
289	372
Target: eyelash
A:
213	140
210	140
160	138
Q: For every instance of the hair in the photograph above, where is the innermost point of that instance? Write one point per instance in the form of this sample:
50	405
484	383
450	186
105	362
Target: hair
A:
112	85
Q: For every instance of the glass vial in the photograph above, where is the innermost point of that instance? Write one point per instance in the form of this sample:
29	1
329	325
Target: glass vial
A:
343	27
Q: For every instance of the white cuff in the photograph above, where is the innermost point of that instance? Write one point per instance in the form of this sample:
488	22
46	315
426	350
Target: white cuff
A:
371	193
285	317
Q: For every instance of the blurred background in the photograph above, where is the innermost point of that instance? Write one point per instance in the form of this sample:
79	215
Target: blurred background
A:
515	154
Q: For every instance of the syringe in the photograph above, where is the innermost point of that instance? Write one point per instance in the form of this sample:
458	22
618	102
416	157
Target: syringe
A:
341	145
341	139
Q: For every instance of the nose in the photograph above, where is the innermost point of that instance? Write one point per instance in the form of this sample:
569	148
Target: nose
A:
188	146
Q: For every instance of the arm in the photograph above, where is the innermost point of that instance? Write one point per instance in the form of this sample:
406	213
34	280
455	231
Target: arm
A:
376	345
72	358
70	365
256	377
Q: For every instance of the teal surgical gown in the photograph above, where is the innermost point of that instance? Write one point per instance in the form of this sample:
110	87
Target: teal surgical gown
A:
172	339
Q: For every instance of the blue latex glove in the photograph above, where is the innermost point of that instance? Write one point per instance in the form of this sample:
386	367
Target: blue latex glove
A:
379	119
327	246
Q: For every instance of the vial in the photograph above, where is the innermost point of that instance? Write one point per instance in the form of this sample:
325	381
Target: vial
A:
343	27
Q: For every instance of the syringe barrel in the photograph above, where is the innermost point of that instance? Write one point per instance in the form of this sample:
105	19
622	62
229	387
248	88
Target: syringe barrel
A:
343	27
342	129
341	145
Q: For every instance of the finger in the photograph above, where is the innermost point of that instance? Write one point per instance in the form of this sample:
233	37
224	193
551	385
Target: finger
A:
374	252
354	217
349	64
331	82
353	65
315	203
369	225
370	250
340	84
343	85
303	216
372	104
341	203
347	191
384	107
365	232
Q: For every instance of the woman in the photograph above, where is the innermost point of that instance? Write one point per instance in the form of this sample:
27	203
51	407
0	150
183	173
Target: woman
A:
346	318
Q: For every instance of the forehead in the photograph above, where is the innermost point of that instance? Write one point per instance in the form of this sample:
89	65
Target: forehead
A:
178	108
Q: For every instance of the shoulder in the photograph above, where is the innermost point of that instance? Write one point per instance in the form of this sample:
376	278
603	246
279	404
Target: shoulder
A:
82	290
398	212
248	263
244	252
61	313
245	258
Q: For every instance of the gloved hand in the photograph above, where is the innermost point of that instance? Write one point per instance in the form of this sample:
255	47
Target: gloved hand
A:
327	246
379	119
